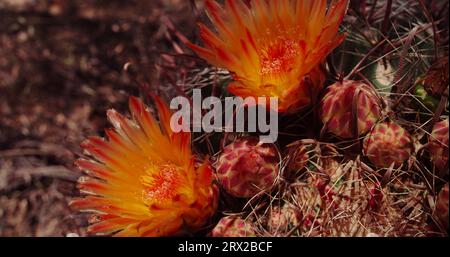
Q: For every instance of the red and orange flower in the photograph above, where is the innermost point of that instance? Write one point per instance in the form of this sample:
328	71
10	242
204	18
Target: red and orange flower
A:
274	48
144	180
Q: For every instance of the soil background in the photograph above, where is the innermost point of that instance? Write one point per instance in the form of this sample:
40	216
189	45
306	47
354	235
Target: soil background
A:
61	67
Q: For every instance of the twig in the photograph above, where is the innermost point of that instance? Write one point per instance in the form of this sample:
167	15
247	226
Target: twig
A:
24	175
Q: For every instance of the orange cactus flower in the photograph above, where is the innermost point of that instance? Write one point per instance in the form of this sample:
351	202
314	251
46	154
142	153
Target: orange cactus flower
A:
144	180
273	48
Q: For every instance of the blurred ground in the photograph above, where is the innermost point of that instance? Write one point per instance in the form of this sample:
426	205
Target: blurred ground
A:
61	67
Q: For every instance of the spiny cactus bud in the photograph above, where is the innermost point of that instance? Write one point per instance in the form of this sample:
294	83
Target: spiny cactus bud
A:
350	109
438	146
246	167
388	143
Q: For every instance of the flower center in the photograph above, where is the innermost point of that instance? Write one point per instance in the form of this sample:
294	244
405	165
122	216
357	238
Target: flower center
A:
161	183
279	57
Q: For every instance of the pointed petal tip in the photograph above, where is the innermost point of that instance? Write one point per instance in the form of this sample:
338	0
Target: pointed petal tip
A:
80	163
133	98
136	105
73	203
78	203
111	113
86	144
134	101
93	143
115	118
84	164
